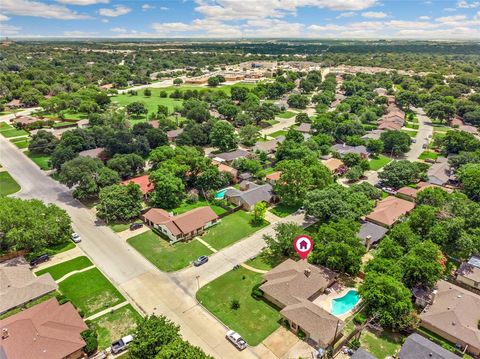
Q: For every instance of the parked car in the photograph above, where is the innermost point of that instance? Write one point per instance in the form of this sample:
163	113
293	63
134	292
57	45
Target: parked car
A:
200	260
236	339
40	259
121	344
414	140
424	145
76	238
135	226
389	190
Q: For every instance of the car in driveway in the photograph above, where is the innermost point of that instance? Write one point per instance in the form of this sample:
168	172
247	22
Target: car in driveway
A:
389	190
40	259
121	344
200	260
76	238
236	340
135	226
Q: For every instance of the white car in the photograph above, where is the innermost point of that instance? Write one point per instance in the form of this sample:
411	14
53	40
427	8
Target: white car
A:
236	339
76	238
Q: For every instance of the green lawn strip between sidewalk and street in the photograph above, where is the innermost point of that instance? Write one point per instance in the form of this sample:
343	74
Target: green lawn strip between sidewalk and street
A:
255	319
59	270
165	256
259	263
42	161
7	184
278	133
21	142
286	114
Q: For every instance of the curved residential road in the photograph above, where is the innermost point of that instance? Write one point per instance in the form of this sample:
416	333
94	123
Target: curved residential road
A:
143	284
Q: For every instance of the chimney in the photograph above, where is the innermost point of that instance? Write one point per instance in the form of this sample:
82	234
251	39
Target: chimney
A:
368	242
433	296
307	272
5	333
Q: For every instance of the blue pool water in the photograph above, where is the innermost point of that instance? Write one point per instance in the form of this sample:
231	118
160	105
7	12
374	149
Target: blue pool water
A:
344	304
220	194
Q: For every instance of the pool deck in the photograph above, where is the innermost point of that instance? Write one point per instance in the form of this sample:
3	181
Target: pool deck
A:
325	301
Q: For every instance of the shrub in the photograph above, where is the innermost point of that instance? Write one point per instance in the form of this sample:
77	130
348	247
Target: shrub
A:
91	339
192	198
359	318
235	304
62	299
355	343
257	293
301	335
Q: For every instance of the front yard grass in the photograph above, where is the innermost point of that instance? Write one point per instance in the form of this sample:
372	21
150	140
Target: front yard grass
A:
412	133
90	291
185	207
428	155
42	161
259	262
165	256
13	132
7	184
255	319
57	271
231	229
282	210
286	114
278	133
115	325
381	346
21	142
378	162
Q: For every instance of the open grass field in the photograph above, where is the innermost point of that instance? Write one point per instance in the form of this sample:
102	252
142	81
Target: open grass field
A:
255	319
165	256
57	271
90	291
7	184
281	210
42	161
115	325
231	229
378	162
286	114
185	207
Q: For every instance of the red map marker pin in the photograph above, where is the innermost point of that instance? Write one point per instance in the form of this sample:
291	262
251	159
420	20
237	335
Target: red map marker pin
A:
303	245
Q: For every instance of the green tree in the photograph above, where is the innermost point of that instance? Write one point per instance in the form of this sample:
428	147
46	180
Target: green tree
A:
249	134
375	146
354	173
136	109
162	110
281	244
179	348
223	136
213	81
458	141
395	142
153	333
440	110
88	176
298	101
178	81
469	177
421	265
91	339
432	196
258	214
238	93
43	142
126	165
169	190
120	203
228	110
147	92
398	174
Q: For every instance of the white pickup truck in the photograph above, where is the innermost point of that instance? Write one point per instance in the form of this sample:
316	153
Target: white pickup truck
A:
121	344
236	339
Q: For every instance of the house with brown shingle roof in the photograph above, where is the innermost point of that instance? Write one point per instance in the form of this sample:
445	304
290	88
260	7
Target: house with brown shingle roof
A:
45	331
182	227
335	165
18	285
454	315
292	286
408	193
389	210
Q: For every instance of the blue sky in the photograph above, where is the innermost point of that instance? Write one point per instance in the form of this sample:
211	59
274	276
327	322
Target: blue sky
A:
459	19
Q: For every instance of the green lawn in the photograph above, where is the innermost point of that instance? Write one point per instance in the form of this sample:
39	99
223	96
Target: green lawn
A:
90	291
231	229
281	210
255	319
21	142
113	326
185	207
411	125
278	133
119	227
271	122
59	270
42	161
7	184
387	344
68	116
286	114
428	155
167	257
260	263
64	124
410	133
8	133
379	162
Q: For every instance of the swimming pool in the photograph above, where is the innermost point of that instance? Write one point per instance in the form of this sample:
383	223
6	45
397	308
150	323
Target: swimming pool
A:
220	194
346	303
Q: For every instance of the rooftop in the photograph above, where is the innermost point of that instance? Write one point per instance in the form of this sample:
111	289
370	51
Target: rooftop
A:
470	269
93	153
439	172
389	210
333	164
230	156
145	185
418	347
253	193
372	231
344	149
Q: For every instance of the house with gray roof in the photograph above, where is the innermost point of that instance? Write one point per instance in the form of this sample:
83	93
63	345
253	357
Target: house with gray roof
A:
469	272
343	149
362	354
229	157
418	347
439	172
269	146
250	194
371	233
18	285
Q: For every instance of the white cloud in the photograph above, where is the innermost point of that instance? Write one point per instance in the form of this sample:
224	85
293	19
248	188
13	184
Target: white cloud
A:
105	21
76	33
118	10
450	19
374	14
40	9
450	9
424	17
120	30
7	30
4	17
83	2
346	14
146	7
164	8
477	16
466	5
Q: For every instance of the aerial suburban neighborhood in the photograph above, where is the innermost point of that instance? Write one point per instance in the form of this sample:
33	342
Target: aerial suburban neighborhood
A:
225	189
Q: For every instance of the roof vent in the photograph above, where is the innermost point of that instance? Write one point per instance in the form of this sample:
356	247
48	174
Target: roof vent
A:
453	323
307	272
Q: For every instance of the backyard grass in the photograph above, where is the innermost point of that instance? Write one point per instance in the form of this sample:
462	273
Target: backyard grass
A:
282	210
278	133
165	256
42	161
231	229
185	207
385	345
21	142
410	133
7	184
428	155
255	319
57	271
379	162
90	291
115	325
286	114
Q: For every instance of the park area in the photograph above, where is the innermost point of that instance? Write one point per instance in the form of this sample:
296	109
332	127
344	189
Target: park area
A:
254	319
